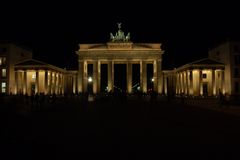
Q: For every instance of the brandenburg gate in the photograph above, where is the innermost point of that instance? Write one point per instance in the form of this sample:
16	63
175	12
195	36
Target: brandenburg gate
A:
119	50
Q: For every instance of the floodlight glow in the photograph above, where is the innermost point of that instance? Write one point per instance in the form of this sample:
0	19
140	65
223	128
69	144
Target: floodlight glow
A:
90	79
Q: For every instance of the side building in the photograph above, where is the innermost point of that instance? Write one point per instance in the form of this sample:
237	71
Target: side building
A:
220	72
20	74
204	77
9	55
229	54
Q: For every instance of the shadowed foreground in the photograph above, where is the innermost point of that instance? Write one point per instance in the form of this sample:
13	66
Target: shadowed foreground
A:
71	127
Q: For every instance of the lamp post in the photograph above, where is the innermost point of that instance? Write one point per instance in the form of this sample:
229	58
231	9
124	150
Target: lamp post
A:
152	80
90	84
89	79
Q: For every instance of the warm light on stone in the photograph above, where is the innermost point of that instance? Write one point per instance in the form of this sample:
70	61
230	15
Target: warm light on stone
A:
121	51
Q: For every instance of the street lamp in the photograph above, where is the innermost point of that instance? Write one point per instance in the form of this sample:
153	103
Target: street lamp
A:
89	79
152	79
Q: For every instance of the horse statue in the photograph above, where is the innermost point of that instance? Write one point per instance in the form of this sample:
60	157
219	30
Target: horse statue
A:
119	36
127	38
112	38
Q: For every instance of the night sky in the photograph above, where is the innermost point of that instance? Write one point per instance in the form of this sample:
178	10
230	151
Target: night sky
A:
54	29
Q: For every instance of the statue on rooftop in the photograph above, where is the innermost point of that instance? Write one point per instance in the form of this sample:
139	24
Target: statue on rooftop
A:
119	36
119	25
112	38
127	38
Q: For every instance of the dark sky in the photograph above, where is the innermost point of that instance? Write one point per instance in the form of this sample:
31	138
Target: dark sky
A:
54	29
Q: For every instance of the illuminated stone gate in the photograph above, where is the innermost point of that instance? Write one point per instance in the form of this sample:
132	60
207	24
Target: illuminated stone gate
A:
120	50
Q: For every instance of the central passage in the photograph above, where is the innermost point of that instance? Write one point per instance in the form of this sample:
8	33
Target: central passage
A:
120	77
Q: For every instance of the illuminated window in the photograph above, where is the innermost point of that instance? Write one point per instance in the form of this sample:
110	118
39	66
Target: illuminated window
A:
34	76
4	72
204	75
3	87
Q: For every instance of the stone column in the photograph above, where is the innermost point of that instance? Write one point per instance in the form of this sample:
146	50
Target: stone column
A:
74	84
99	77
195	80
213	82
16	82
141	82
183	89
37	90
165	85
59	83
110	76
85	74
63	84
223	82
180	82
183	85
25	91
155	80
159	77
200	83
218	81
46	82
187	81
95	76
183	82
113	75
144	77
129	77
177	83
55	82
50	83
191	82
80	76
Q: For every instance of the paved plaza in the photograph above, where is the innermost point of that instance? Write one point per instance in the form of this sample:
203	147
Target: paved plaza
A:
74	126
